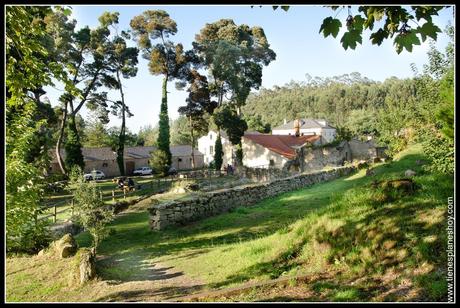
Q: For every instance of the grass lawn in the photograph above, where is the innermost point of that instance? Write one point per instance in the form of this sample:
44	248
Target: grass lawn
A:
352	245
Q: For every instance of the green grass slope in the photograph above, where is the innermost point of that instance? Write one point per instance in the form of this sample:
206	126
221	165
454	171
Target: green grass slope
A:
350	243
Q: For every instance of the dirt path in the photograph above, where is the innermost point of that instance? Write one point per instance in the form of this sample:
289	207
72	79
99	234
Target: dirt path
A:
161	283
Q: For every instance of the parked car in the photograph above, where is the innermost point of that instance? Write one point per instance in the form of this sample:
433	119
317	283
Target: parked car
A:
143	171
94	175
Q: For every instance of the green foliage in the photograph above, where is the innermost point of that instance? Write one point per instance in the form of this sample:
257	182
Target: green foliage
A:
330	26
72	146
255	123
163	140
445	113
228	120
29	67
234	56
435	88
343	133
395	20
90	211
159	162
218	153
149	135
440	150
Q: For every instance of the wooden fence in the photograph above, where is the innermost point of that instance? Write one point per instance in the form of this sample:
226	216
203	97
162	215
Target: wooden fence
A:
156	185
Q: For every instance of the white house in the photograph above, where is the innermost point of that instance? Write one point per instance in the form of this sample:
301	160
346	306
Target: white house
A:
206	146
308	127
264	150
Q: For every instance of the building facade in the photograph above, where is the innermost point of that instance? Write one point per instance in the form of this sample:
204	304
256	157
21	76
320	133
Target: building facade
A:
273	151
105	159
308	127
206	145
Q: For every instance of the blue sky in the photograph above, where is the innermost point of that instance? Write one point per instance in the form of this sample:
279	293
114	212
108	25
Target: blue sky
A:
293	35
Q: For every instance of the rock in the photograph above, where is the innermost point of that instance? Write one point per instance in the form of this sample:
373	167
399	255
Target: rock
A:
84	267
370	172
66	246
410	173
87	266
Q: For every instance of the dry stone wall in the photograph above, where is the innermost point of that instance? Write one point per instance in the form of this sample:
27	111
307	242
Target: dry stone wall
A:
213	203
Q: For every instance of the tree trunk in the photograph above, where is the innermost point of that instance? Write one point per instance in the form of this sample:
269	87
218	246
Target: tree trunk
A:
121	137
59	141
193	142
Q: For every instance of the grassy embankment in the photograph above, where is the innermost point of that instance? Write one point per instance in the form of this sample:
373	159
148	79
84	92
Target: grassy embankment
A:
352	244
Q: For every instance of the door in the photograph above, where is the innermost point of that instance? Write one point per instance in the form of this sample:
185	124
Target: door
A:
129	167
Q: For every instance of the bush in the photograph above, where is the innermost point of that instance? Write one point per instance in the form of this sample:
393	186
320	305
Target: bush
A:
159	162
91	212
24	232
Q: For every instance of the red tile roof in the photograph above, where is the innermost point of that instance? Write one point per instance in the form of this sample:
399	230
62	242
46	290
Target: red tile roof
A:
281	144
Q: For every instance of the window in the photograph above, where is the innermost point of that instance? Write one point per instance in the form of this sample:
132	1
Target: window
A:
179	159
272	162
210	137
211	150
104	165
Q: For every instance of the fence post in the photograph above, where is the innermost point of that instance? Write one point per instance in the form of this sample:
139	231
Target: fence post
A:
124	194
71	207
100	194
113	196
55	213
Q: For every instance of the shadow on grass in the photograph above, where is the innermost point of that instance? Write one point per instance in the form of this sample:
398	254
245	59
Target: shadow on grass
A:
393	234
150	294
134	243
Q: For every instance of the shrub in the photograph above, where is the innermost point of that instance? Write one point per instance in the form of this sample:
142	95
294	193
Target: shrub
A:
90	210
159	162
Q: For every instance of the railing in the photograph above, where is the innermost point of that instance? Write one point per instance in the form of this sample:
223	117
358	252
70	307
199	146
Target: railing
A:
156	185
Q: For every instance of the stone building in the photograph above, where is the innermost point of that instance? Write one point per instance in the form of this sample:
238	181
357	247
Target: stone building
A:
105	159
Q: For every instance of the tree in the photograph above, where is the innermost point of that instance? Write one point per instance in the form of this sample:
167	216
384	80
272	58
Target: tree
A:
130	138
90	211
85	57
398	22
95	134
218	153
234	57
255	123
122	61
29	67
165	58
148	135
159	162
435	89
198	105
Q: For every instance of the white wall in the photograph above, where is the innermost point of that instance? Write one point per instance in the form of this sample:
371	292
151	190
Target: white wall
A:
255	155
206	142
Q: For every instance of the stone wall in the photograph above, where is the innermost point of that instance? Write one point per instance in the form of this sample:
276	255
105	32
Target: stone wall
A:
212	203
363	150
262	174
319	157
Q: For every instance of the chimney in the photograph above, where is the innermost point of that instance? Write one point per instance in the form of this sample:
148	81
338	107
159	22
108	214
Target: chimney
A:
285	122
297	127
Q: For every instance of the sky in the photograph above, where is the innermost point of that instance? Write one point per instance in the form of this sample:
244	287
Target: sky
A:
293	35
